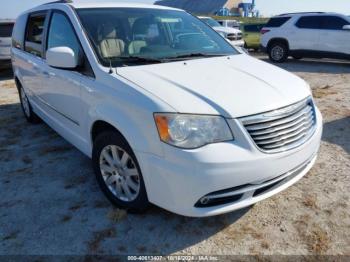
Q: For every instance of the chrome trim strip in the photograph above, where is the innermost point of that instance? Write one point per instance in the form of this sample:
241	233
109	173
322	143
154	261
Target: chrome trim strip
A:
279	121
302	136
284	131
275	129
275	114
272	133
286	137
250	188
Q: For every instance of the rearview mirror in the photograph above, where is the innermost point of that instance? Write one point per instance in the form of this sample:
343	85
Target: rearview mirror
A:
346	27
62	57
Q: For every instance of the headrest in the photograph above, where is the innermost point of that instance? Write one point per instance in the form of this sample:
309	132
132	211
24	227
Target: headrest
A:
142	25
108	31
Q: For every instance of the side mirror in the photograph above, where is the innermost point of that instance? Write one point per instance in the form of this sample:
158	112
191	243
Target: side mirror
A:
346	27
62	57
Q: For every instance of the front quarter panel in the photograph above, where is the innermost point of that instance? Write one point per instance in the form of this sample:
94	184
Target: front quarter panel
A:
129	109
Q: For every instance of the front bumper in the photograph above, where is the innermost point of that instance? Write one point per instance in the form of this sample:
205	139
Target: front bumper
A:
181	178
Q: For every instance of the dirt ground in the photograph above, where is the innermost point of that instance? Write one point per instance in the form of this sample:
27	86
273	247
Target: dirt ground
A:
50	203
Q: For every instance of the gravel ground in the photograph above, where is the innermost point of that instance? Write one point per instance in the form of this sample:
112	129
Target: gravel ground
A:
50	203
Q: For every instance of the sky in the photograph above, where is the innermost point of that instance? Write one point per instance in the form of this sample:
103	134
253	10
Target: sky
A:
267	7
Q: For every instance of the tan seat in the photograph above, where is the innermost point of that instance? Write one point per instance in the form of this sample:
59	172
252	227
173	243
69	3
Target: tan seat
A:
136	46
110	46
139	34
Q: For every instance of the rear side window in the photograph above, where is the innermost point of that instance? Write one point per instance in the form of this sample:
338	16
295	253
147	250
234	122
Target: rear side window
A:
322	22
277	21
310	22
19	32
6	30
333	23
34	34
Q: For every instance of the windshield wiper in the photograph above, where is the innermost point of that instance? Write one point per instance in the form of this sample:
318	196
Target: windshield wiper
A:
140	59
194	55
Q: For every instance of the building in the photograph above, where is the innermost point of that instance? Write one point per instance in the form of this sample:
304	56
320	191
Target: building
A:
213	7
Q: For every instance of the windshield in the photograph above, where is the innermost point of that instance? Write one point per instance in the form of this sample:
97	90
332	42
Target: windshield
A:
211	22
119	35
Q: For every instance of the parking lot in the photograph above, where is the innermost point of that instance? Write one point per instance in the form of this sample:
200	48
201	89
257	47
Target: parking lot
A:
51	205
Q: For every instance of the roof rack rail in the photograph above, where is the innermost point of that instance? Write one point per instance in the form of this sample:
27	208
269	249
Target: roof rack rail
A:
296	13
60	2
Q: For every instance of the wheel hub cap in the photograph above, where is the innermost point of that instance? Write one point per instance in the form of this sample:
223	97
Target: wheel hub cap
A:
120	173
277	52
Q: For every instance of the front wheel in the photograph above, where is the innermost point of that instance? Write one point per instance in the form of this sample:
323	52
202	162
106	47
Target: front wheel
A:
118	173
278	52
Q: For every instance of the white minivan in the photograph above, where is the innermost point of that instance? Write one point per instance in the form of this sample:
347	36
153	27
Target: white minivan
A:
168	110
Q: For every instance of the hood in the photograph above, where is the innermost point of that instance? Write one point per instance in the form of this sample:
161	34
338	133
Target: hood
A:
226	30
235	87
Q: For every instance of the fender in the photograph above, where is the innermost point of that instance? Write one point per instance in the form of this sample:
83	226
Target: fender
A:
145	142
277	39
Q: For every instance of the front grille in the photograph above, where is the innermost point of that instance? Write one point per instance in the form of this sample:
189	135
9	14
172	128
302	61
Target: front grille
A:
282	129
234	37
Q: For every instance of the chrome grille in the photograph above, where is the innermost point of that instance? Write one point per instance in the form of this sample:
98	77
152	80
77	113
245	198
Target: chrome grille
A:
282	129
234	36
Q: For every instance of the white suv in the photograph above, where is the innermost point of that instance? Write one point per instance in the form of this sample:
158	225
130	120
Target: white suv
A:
6	27
168	110
316	35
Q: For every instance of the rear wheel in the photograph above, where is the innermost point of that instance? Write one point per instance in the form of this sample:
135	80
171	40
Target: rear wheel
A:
118	173
27	108
278	52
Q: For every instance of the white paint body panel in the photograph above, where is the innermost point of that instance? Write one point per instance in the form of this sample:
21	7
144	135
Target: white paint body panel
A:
62	57
220	85
230	86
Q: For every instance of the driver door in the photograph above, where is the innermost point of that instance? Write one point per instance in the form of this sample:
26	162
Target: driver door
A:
62	87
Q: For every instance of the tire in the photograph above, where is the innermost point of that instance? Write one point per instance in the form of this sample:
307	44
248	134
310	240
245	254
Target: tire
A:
278	52
118	172
27	108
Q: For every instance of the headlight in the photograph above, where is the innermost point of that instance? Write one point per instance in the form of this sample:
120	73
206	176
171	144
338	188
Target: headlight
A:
192	131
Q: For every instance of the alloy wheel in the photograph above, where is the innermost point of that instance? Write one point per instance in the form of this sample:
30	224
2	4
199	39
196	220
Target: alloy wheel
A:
120	173
277	53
